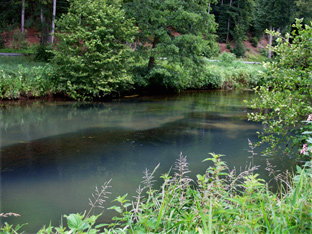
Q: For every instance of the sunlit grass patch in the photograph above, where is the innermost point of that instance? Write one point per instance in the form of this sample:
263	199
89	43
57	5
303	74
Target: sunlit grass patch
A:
21	77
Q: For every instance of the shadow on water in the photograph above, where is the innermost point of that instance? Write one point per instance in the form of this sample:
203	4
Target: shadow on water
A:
54	154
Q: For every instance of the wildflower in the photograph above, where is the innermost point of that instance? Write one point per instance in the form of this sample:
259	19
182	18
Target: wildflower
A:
309	118
304	149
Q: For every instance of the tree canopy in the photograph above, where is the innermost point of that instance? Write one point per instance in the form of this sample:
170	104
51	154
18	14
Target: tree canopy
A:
174	36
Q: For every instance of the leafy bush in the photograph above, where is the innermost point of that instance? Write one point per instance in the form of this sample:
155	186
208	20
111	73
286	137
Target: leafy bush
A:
284	98
26	81
254	41
19	40
168	77
239	50
227	58
92	57
43	53
227	73
264	52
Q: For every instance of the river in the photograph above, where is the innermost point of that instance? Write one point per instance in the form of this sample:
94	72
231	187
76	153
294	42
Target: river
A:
54	153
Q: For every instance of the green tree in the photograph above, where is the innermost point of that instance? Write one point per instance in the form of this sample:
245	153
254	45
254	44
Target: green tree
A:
180	32
304	10
92	56
274	15
286	98
234	19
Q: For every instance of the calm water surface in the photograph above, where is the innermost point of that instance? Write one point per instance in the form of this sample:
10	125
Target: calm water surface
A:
53	154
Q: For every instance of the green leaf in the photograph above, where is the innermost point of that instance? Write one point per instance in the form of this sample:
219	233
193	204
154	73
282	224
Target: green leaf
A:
116	208
75	222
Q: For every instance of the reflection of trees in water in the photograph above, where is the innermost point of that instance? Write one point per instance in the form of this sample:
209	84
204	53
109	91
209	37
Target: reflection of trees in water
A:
175	120
37	112
179	120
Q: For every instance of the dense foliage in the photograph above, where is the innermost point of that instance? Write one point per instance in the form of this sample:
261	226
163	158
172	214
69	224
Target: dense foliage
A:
285	98
237	20
174	37
22	78
92	56
241	19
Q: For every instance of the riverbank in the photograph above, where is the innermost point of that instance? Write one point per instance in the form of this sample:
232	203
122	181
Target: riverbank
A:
24	78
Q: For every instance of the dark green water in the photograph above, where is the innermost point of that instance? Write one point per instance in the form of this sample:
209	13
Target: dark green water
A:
53	154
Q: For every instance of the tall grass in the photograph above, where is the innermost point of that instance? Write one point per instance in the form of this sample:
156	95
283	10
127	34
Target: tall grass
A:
21	77
229	73
219	201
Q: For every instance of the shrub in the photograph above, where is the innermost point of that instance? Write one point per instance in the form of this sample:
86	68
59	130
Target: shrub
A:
254	41
227	58
264	52
19	40
27	80
239	50
168	77
284	100
43	53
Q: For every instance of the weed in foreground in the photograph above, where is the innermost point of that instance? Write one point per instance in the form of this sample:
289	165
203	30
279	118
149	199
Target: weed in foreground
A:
219	201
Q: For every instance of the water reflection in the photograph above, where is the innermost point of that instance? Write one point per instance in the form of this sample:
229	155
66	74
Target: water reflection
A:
53	154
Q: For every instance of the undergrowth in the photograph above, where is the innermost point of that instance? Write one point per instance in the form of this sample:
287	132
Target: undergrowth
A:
231	73
20	77
219	201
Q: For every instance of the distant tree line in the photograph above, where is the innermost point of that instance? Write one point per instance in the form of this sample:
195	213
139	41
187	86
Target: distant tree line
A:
237	19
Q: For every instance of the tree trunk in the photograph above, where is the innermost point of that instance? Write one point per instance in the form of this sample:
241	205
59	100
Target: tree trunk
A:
23	16
53	20
41	14
42	25
228	27
44	28
270	42
151	61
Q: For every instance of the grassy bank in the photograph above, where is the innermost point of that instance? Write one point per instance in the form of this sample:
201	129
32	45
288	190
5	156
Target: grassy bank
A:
219	201
231	73
21	77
